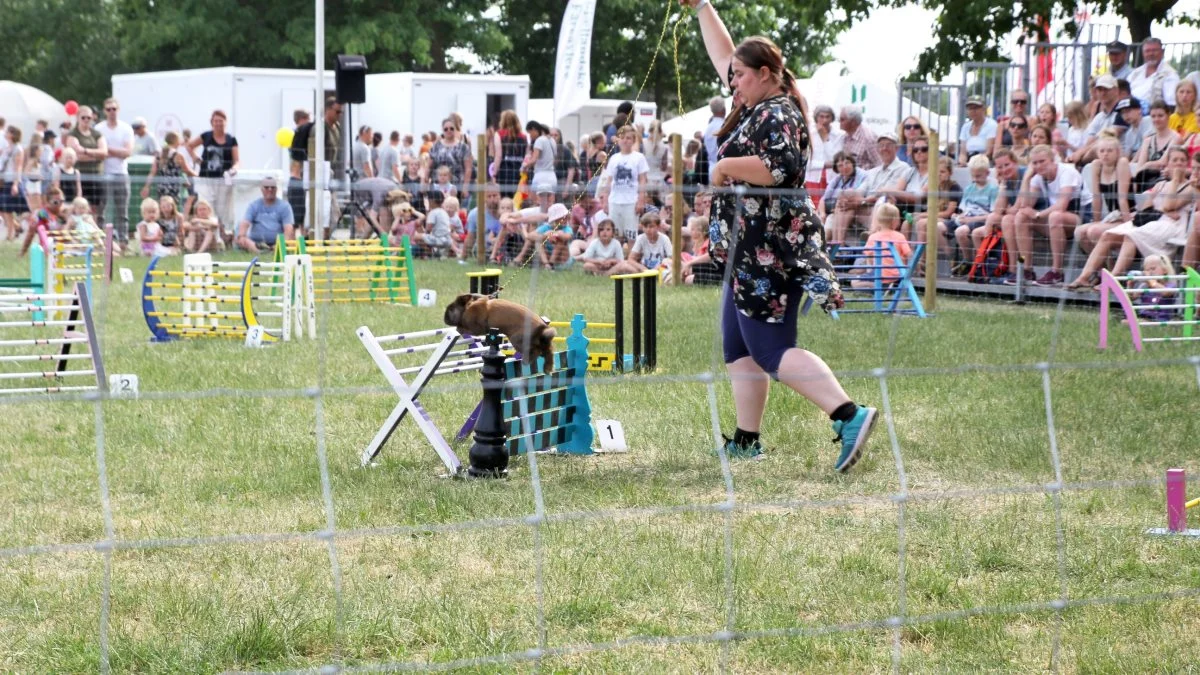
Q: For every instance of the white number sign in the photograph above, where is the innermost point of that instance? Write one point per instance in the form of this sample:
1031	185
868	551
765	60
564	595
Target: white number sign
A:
426	297
254	336
123	386
612	436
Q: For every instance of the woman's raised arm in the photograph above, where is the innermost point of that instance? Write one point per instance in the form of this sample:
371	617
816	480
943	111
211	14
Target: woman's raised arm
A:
717	41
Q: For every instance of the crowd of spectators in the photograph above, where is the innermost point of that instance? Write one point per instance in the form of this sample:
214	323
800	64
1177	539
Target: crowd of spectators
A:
1098	176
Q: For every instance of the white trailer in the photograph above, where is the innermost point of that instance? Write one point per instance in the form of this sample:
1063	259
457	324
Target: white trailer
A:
418	102
596	114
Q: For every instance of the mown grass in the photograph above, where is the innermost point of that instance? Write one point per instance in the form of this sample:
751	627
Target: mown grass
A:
631	571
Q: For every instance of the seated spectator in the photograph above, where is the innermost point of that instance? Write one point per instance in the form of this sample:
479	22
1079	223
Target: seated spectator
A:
1191	251
1135	126
1156	297
949	197
604	252
978	203
201	232
436	237
977	133
1047	115
551	239
1154	80
266	218
860	142
699	269
883	232
1076	134
406	222
1039	135
1183	120
458	222
1012	195
511	240
845	176
171	223
892	176
650	249
585	216
1152	157
1107	96
491	219
1067	196
1170	201
1016	137
911	199
1018	106
910	130
1111	181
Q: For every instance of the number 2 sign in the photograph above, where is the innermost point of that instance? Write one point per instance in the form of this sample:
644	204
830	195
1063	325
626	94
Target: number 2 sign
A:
123	386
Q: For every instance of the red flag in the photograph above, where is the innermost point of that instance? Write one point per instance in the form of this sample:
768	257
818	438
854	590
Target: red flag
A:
1045	58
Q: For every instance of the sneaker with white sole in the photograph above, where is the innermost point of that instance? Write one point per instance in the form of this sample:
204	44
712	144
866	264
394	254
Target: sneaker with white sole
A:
743	451
853	436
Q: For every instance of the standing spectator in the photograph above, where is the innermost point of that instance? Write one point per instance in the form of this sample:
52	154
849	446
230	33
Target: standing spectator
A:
219	161
566	165
624	116
1152	157
1137	127
826	145
12	167
539	162
450	150
658	158
360	155
189	154
66	176
144	142
39	165
1118	60
266	218
716	105
860	142
297	158
407	151
376	139
976	134
119	137
509	147
622	194
909	131
1183	120
1068	197
593	160
91	149
389	159
170	169
1153	80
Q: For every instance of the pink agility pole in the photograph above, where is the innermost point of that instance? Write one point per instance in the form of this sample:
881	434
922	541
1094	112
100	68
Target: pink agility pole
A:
1176	500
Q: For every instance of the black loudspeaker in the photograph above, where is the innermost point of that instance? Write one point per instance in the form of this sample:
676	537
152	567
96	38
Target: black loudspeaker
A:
351	78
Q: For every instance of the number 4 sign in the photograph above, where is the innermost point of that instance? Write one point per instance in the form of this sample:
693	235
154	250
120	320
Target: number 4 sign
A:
612	436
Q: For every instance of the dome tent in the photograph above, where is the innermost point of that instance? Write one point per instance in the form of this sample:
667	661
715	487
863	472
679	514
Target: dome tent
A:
22	106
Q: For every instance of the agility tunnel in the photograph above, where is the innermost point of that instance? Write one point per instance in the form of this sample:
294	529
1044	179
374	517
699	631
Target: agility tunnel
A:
1163	306
67	346
210	298
545	409
357	270
877	279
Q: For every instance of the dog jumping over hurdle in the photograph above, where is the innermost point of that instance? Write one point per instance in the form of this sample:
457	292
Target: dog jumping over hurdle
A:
528	333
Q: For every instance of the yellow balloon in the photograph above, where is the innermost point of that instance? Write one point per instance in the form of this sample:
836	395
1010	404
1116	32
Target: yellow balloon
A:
284	137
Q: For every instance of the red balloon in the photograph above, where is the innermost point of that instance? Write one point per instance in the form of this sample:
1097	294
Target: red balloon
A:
72	107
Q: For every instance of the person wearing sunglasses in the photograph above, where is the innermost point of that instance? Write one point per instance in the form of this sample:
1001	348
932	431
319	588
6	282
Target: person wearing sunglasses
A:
90	150
1018	104
119	137
910	131
1015	137
266	218
452	151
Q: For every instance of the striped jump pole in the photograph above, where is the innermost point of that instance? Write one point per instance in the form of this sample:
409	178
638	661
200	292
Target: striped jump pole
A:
66	358
1152	303
358	270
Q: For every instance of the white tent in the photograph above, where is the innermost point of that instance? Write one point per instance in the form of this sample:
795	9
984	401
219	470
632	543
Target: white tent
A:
22	106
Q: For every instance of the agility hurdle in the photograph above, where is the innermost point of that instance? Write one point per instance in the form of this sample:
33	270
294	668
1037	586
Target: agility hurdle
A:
66	240
218	299
526	410
1177	507
77	328
486	282
357	270
424	355
66	265
1136	303
894	295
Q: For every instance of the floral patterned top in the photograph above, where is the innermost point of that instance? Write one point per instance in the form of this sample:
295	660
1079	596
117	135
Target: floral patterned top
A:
782	239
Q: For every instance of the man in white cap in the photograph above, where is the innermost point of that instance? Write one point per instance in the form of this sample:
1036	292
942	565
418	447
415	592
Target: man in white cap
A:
1106	116
893	174
1153	80
266	218
144	142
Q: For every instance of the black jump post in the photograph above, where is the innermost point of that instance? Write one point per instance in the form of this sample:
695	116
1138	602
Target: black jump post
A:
489	454
645	320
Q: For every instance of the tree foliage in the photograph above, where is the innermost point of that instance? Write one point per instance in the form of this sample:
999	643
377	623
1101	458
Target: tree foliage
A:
977	30
68	48
626	32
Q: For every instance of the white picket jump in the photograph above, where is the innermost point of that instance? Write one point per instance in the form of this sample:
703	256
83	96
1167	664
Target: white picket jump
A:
75	327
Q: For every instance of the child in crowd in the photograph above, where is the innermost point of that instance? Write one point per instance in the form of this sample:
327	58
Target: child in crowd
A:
700	269
437	234
622	193
552	238
604	252
82	225
443	184
1150	294
149	231
67	177
978	202
200	233
458	220
405	220
884	230
171	223
512	234
649	250
1076	136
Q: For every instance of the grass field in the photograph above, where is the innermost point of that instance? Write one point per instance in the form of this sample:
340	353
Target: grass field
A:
216	501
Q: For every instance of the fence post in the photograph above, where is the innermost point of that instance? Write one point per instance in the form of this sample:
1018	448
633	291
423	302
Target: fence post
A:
314	197
481	218
677	209
931	225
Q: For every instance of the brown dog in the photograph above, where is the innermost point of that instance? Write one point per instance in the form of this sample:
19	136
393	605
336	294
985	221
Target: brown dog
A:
528	333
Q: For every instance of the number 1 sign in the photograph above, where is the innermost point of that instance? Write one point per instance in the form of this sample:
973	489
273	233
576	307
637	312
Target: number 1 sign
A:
611	435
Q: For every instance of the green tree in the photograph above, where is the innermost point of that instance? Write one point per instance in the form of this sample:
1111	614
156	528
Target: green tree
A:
626	32
971	30
67	48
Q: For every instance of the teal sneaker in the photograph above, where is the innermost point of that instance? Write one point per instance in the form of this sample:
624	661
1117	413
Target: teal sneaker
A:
735	451
853	436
